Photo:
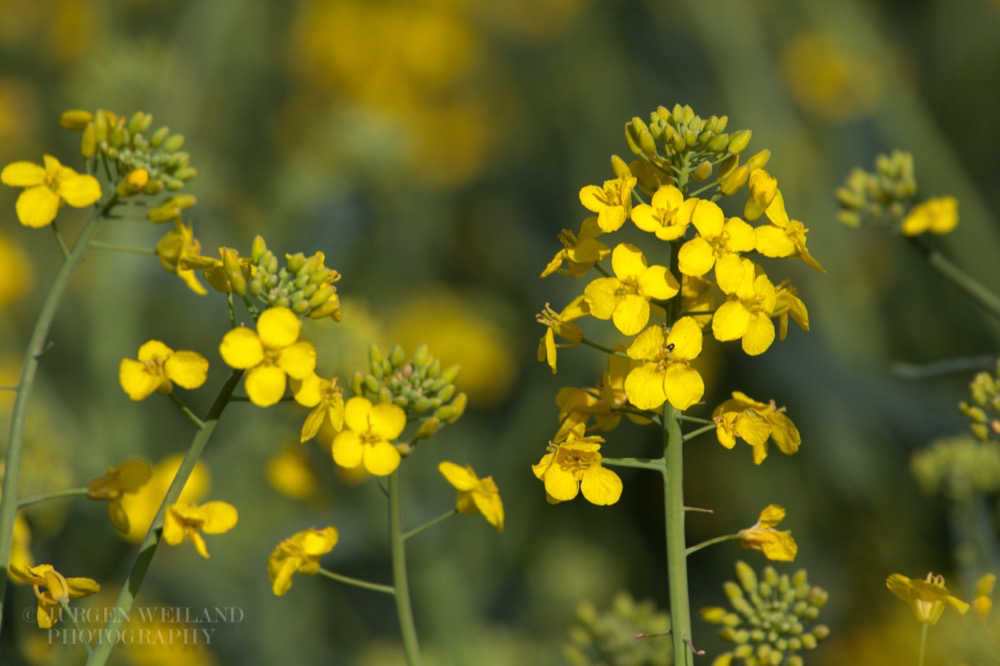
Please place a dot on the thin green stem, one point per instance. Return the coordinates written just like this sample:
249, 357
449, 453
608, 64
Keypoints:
59, 239
946, 367
699, 431
703, 188
114, 247
712, 542
36, 347
602, 270
600, 347
187, 411
38, 499
357, 582
977, 292
923, 643
673, 482
149, 544
694, 419
71, 618
429, 524
408, 628
656, 464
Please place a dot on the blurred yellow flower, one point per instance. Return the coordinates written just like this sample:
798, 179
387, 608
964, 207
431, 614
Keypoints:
47, 188
20, 550
187, 521
776, 545
158, 368
830, 81
982, 604
938, 216
300, 554
368, 438
16, 272
290, 473
474, 494
142, 506
927, 597
57, 590
127, 478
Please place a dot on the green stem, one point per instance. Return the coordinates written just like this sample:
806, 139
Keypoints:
946, 367
36, 346
699, 431
977, 292
712, 542
656, 464
187, 411
357, 582
600, 347
694, 419
38, 499
113, 247
149, 544
406, 625
673, 483
429, 524
59, 239
71, 618
923, 643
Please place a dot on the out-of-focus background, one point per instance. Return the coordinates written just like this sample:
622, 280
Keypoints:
433, 149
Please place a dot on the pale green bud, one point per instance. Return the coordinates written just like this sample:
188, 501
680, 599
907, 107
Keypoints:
427, 428
174, 143
703, 172
397, 356
257, 248
159, 136
719, 143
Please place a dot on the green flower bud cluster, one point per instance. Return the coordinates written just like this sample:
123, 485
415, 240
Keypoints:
625, 634
417, 384
985, 413
124, 145
960, 468
772, 612
883, 197
691, 144
303, 284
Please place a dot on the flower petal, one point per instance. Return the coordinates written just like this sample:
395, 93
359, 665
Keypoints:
241, 348
187, 369
644, 387
298, 360
387, 420
278, 327
348, 451
79, 190
682, 385
462, 478
265, 385
137, 383
219, 517
381, 458
601, 486
22, 174
37, 206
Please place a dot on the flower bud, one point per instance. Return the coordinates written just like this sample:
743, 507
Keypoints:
703, 172
75, 119
619, 167
738, 141
759, 160
88, 142
174, 143
735, 180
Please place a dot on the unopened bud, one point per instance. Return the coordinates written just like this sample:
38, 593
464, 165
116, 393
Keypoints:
75, 119
739, 141
619, 167
703, 172
759, 160
735, 180
174, 143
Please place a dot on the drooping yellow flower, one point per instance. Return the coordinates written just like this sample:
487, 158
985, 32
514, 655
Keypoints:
665, 373
788, 304
271, 355
177, 250
52, 589
475, 495
300, 554
625, 297
580, 252
667, 215
159, 367
227, 274
561, 324
127, 478
327, 401
746, 314
47, 188
784, 237
574, 464
187, 521
776, 545
938, 216
612, 203
926, 597
142, 506
718, 243
755, 422
368, 439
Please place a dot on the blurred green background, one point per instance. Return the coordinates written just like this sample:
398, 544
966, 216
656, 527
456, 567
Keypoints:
433, 149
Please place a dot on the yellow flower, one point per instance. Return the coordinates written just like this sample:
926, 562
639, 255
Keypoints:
177, 250
746, 314
783, 237
327, 401
775, 544
127, 478
665, 373
763, 188
57, 590
667, 215
625, 297
755, 422
142, 506
718, 243
926, 597
290, 474
938, 216
982, 604
158, 368
574, 464
561, 324
474, 494
16, 272
367, 441
269, 354
788, 304
612, 203
46, 188
580, 252
227, 274
20, 550
299, 553
187, 521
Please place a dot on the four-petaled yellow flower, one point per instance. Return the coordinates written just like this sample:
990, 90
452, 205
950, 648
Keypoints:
574, 464
776, 545
159, 367
561, 324
746, 314
938, 216
612, 203
269, 354
368, 439
783, 237
57, 590
625, 297
665, 374
718, 243
127, 478
474, 494
926, 597
580, 252
668, 214
755, 422
177, 250
327, 401
188, 521
46, 188
300, 554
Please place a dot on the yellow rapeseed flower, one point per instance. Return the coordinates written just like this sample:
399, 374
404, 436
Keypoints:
665, 373
142, 505
561, 324
300, 554
926, 597
187, 521
580, 251
763, 188
574, 464
612, 203
474, 494
270, 355
52, 590
177, 250
938, 216
158, 368
127, 478
776, 545
327, 401
667, 215
368, 439
718, 243
20, 549
746, 314
788, 304
784, 237
755, 422
625, 297
47, 188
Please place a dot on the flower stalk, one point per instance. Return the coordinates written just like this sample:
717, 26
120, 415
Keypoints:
673, 486
411, 647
